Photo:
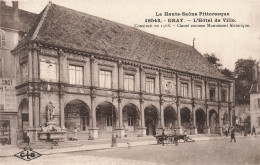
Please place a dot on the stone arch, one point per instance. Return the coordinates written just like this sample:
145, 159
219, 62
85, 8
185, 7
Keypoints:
201, 120
106, 116
23, 118
186, 118
170, 117
109, 101
151, 115
213, 117
77, 115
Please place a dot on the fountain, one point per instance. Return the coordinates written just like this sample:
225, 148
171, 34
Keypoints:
51, 132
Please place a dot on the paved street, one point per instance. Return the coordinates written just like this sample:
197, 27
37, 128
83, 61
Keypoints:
244, 151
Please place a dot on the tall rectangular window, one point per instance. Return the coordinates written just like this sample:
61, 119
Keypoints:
212, 94
2, 38
258, 121
76, 74
223, 95
130, 121
184, 89
1, 67
105, 79
2, 98
258, 100
109, 121
129, 82
198, 92
149, 85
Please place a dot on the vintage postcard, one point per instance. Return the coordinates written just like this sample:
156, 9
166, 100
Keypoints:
129, 82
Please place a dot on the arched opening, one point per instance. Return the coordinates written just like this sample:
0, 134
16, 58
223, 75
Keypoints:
170, 117
130, 117
106, 118
77, 116
185, 118
151, 120
213, 116
23, 119
200, 121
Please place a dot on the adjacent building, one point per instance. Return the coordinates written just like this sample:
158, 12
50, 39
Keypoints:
255, 100
98, 76
14, 23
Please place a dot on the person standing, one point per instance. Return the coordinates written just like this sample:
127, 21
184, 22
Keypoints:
233, 134
163, 137
75, 134
253, 131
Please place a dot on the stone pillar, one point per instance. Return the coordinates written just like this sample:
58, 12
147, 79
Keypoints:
120, 76
142, 129
93, 131
30, 110
207, 125
194, 120
36, 110
120, 131
30, 62
35, 63
142, 80
62, 109
94, 77
162, 125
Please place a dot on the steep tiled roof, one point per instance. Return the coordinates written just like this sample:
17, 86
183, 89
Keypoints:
71, 29
22, 23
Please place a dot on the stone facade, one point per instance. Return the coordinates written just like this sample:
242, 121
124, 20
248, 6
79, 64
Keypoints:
135, 113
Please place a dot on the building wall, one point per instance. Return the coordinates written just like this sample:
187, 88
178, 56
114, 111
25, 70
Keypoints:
48, 76
8, 107
255, 111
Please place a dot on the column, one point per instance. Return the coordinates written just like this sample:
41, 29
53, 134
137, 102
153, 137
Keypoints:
94, 77
30, 111
62, 109
193, 130
30, 69
206, 108
36, 110
162, 114
120, 76
142, 129
142, 80
195, 122
207, 113
120, 131
35, 60
93, 131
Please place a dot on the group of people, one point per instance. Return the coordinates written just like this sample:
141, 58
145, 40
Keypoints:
233, 133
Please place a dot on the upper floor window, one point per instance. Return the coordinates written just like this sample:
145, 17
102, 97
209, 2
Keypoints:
258, 100
48, 70
1, 98
1, 68
2, 38
75, 74
212, 94
129, 82
105, 79
198, 92
223, 95
184, 89
149, 85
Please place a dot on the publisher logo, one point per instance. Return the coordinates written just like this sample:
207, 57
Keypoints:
28, 154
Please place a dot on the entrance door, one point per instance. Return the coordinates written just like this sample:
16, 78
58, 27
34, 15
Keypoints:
150, 127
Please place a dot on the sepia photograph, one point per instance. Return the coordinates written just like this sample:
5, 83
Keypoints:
122, 82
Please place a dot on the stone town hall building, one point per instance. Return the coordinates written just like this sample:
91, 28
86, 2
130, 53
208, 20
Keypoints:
101, 76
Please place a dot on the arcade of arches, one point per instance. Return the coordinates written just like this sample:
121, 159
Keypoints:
77, 114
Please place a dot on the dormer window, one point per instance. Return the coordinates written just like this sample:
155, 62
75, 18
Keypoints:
2, 38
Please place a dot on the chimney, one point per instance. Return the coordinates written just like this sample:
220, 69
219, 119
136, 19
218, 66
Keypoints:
2, 3
15, 10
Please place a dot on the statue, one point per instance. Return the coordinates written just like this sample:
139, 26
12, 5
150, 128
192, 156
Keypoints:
50, 111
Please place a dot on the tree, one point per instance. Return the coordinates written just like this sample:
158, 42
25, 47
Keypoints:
212, 59
244, 70
228, 73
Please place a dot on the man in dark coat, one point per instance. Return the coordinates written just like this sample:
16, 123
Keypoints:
163, 137
253, 131
233, 134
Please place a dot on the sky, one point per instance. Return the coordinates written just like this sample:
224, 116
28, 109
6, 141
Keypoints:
227, 43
